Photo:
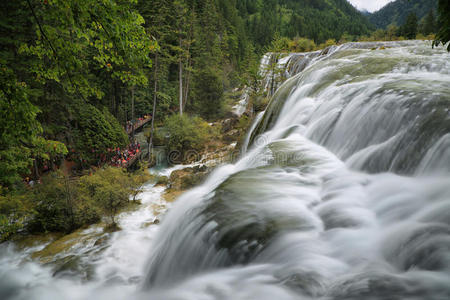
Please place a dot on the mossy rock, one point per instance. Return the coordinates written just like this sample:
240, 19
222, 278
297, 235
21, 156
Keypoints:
62, 245
171, 195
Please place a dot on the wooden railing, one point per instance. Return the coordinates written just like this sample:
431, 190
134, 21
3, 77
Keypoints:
138, 125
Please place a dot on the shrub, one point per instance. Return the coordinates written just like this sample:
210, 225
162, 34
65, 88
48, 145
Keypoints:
60, 206
136, 182
109, 190
302, 45
63, 204
188, 133
14, 211
96, 129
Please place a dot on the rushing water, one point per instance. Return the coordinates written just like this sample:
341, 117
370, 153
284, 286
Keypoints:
93, 263
344, 193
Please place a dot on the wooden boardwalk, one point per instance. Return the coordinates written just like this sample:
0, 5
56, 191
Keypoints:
138, 125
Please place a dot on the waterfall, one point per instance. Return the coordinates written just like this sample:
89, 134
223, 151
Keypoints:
343, 192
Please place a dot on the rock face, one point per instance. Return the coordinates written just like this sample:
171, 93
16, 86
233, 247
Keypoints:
188, 177
228, 124
231, 136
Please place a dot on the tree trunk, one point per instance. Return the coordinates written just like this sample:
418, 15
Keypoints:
150, 144
189, 65
69, 201
186, 90
36, 170
181, 86
180, 73
186, 85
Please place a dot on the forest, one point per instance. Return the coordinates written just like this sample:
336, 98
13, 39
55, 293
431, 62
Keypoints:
75, 74
397, 12
224, 149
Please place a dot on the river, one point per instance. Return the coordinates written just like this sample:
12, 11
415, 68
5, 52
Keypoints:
343, 193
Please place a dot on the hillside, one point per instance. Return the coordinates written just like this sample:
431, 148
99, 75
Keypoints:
318, 20
75, 83
396, 12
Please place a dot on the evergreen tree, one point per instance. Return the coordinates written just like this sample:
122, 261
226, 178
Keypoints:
443, 35
58, 58
429, 25
409, 29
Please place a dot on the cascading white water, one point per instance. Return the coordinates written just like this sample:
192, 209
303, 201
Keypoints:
94, 264
342, 194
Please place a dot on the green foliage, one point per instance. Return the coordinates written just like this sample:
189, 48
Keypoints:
443, 35
215, 42
188, 133
409, 29
428, 24
318, 20
136, 181
398, 11
299, 44
59, 54
64, 204
74, 37
46, 149
19, 139
59, 206
96, 130
107, 188
14, 212
208, 93
18, 127
302, 45
163, 180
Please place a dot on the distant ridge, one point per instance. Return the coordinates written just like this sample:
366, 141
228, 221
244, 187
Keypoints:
396, 12
318, 20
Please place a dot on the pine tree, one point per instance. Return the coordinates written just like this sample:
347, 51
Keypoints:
409, 29
443, 35
429, 25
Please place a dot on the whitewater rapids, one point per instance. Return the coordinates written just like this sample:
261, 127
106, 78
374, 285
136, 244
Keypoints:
343, 193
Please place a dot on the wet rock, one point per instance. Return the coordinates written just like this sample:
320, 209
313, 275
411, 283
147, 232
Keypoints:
200, 168
162, 180
171, 195
231, 136
112, 228
187, 178
101, 241
228, 124
70, 267
150, 223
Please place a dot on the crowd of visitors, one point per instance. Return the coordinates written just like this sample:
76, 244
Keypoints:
121, 157
116, 157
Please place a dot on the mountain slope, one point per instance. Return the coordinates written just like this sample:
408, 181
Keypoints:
315, 19
396, 12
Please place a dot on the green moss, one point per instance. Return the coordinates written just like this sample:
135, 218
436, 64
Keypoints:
63, 245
